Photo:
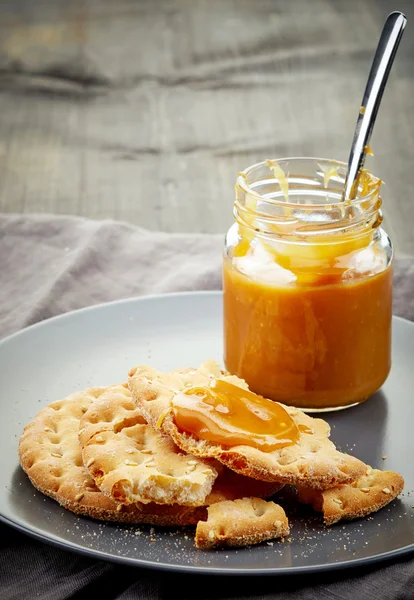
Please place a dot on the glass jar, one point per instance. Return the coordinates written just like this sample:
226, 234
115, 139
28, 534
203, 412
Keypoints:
307, 282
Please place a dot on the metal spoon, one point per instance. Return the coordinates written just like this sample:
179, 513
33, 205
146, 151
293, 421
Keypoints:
380, 69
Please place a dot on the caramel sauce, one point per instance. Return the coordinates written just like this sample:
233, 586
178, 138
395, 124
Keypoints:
328, 171
305, 429
368, 182
309, 324
281, 177
320, 342
230, 415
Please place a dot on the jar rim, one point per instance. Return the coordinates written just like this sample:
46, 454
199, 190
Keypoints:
274, 198
243, 184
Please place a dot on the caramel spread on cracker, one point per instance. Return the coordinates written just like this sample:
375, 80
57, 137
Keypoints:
232, 416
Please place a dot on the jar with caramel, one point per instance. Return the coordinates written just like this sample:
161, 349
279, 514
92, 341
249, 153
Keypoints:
307, 282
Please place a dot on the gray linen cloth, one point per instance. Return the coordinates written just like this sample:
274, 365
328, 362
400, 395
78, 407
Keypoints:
49, 265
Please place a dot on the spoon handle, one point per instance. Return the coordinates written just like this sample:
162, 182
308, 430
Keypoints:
381, 66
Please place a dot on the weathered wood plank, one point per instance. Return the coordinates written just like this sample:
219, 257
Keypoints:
145, 111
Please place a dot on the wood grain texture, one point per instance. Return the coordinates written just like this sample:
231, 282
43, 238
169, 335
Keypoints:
146, 110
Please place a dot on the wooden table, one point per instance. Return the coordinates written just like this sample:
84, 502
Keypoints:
146, 110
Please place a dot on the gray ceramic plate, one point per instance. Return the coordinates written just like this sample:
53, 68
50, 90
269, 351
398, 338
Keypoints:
97, 346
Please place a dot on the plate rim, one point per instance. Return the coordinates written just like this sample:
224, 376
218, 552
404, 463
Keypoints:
130, 299
355, 563
163, 566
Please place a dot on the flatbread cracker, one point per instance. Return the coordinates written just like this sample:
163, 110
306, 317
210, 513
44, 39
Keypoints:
50, 454
367, 495
132, 462
241, 523
312, 461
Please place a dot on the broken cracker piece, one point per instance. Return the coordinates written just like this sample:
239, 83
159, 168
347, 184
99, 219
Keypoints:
368, 494
63, 477
241, 522
133, 462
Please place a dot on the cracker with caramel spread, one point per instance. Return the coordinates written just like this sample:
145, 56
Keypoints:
81, 450
50, 454
368, 494
312, 460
